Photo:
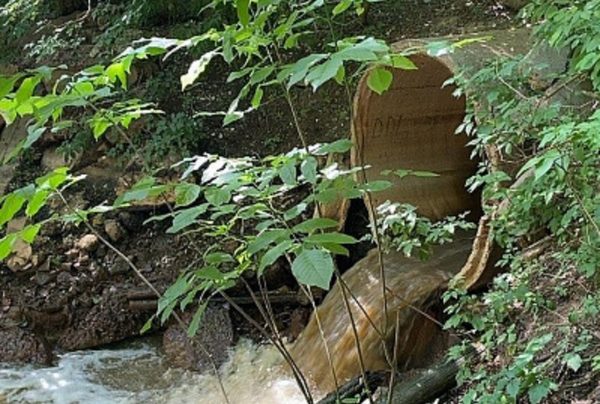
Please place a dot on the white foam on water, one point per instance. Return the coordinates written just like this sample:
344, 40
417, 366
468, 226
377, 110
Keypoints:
138, 373
253, 374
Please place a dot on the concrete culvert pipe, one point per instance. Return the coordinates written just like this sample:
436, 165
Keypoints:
412, 127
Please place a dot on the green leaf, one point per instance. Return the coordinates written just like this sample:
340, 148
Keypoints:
336, 249
12, 204
195, 323
273, 254
117, 71
266, 238
403, 62
218, 258
257, 98
210, 273
37, 202
196, 69
7, 84
308, 168
547, 162
186, 217
243, 11
336, 238
538, 392
339, 146
29, 233
26, 89
260, 75
217, 196
147, 325
313, 268
173, 293
324, 72
295, 211
340, 75
342, 6
317, 223
376, 186
287, 173
573, 361
6, 245
186, 193
379, 80
299, 69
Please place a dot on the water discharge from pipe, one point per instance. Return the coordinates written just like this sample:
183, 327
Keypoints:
411, 283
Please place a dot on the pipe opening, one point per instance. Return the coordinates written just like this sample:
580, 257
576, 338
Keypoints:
412, 127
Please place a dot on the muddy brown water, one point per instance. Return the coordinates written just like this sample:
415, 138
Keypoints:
411, 283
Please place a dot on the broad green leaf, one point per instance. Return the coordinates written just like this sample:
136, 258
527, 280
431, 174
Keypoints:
340, 75
37, 202
273, 254
29, 233
186, 193
379, 80
287, 173
26, 89
376, 186
574, 361
266, 238
217, 196
7, 84
295, 211
186, 217
547, 162
308, 168
6, 245
317, 223
12, 204
313, 268
210, 273
403, 62
299, 69
117, 71
336, 238
261, 74
538, 392
337, 249
231, 117
324, 72
173, 293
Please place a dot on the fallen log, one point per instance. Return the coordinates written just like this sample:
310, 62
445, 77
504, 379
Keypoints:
142, 301
426, 385
355, 388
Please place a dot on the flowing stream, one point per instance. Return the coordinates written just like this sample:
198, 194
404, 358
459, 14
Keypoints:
137, 373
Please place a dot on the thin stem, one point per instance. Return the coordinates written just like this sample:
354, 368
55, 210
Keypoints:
356, 339
139, 274
300, 380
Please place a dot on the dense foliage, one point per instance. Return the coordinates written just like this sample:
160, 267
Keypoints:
545, 126
255, 211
